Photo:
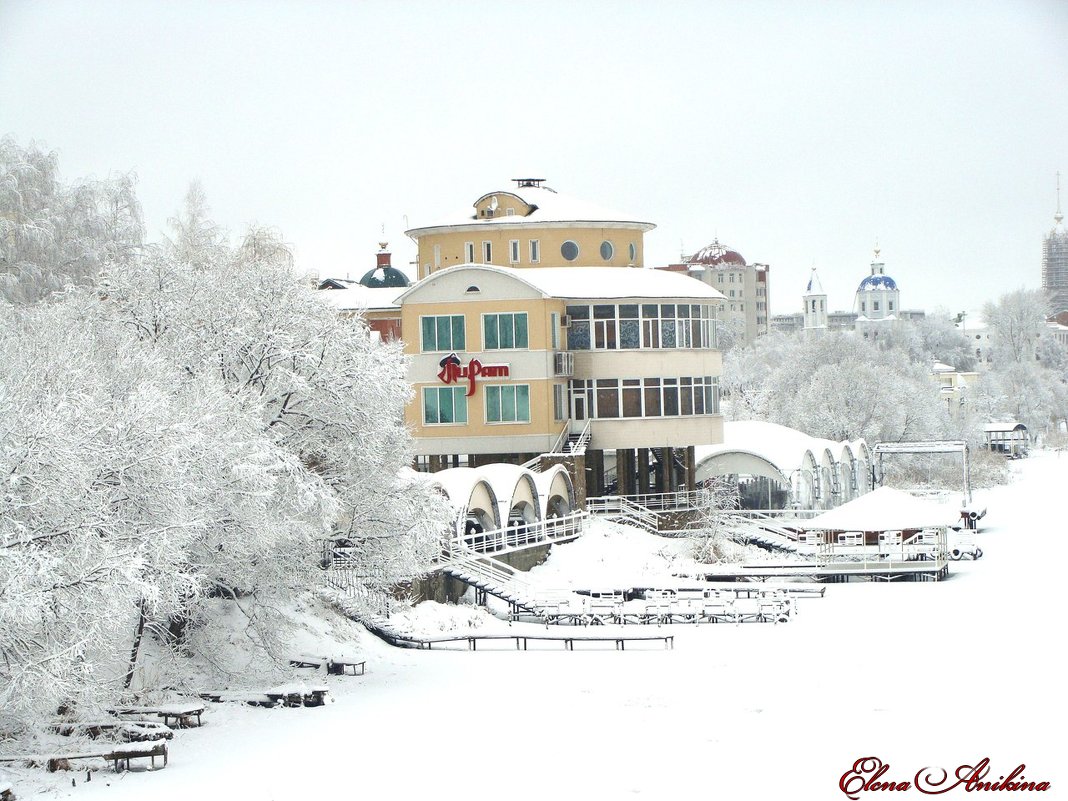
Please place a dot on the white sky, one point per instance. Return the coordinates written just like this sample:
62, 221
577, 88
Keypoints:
798, 133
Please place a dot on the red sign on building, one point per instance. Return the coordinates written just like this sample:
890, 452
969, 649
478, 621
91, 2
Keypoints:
452, 370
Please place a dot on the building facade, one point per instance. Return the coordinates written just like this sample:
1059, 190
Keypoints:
532, 225
746, 289
534, 322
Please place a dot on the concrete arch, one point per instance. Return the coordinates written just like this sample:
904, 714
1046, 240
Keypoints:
556, 492
472, 495
847, 475
738, 462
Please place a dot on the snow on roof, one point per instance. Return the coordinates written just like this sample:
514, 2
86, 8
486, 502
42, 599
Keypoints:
363, 298
783, 447
544, 480
884, 509
552, 207
1000, 427
576, 283
942, 367
814, 286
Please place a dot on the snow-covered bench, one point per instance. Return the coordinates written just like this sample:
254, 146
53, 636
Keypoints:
131, 731
335, 666
120, 756
176, 716
296, 694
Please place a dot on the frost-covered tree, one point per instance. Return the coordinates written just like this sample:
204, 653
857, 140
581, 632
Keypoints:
53, 234
323, 389
1017, 323
129, 488
835, 385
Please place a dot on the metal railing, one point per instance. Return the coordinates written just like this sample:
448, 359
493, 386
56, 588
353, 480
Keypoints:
619, 507
524, 535
578, 445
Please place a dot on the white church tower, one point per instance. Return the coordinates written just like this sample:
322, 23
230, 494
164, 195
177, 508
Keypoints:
815, 302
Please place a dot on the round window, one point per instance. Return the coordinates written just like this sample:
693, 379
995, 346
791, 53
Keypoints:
607, 251
569, 250
633, 250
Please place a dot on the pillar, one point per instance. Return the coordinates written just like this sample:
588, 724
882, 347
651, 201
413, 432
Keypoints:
643, 471
691, 469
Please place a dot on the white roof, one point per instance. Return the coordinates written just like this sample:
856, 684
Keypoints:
552, 207
782, 446
884, 509
1002, 426
596, 282
362, 297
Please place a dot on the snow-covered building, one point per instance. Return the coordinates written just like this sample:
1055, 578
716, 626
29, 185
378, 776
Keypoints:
534, 321
779, 467
876, 304
953, 386
1055, 260
745, 285
374, 295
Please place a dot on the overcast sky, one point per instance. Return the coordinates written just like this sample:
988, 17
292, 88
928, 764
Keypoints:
798, 133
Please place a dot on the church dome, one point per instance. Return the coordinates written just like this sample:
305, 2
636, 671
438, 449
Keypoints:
384, 277
878, 281
717, 255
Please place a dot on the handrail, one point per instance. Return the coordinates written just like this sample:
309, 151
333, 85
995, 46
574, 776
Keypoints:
579, 445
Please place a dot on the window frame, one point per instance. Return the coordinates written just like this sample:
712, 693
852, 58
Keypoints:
437, 390
500, 390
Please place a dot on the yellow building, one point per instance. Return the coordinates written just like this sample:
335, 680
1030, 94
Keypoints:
532, 225
568, 337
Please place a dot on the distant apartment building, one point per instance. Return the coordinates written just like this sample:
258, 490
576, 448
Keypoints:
745, 286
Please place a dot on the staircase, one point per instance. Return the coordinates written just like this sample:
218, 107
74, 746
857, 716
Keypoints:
624, 510
761, 532
501, 580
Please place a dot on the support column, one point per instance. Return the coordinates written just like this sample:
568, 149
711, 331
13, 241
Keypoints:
594, 473
691, 469
624, 471
435, 463
643, 471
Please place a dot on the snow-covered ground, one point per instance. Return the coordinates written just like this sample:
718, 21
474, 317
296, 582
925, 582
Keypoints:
916, 674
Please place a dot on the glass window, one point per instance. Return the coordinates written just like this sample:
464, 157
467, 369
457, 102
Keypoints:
443, 333
607, 397
504, 331
569, 250
508, 404
607, 250
535, 251
633, 251
632, 397
487, 252
469, 252
444, 405
513, 251
652, 397
671, 397
578, 335
559, 408
554, 324
578, 312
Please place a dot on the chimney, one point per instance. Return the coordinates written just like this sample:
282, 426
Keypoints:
383, 255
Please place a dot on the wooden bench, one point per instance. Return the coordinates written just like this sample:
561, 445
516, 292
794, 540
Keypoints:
333, 666
131, 731
176, 716
284, 695
120, 756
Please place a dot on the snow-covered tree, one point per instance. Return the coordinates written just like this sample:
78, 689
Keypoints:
53, 234
837, 386
127, 487
323, 389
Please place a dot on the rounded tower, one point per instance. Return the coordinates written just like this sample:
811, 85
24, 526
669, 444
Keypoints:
878, 297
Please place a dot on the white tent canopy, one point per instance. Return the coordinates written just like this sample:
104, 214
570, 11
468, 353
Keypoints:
884, 509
